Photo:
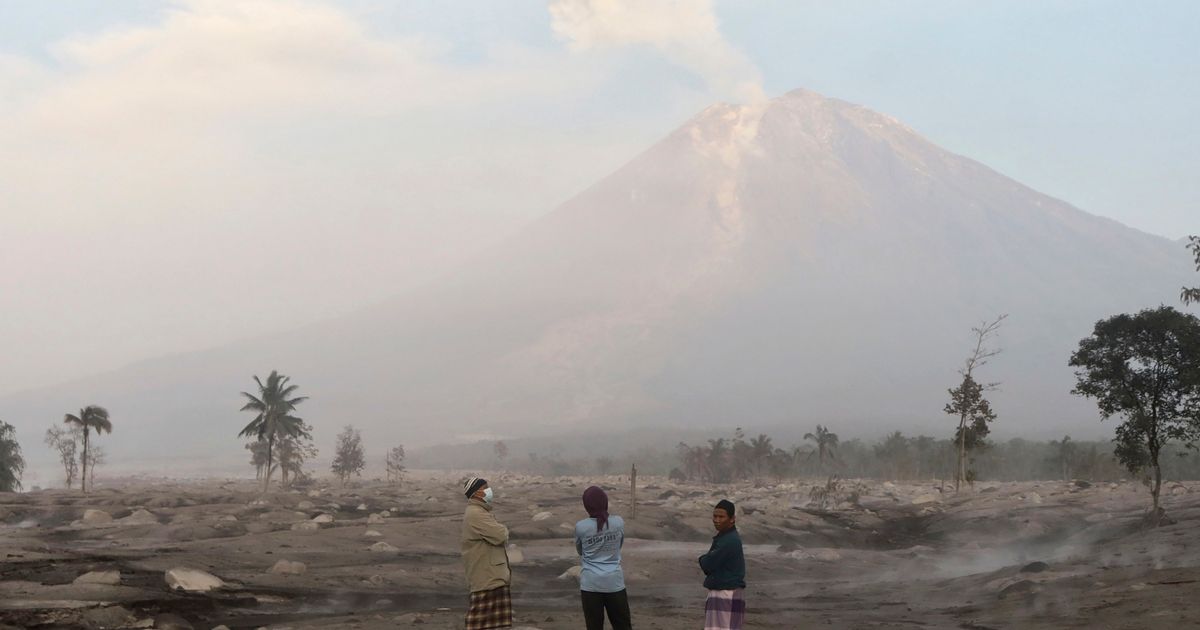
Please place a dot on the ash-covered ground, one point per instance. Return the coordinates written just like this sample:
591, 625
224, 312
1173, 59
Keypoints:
877, 555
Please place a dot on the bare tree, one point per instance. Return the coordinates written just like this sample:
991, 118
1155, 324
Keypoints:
967, 400
349, 459
95, 457
66, 443
395, 464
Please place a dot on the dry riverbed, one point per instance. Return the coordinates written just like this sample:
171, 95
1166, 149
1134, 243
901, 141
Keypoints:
896, 555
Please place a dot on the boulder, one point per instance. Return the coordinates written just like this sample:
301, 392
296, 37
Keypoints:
370, 533
1021, 587
541, 516
171, 621
305, 505
375, 519
95, 517
183, 578
572, 573
926, 498
287, 567
515, 556
1034, 498
323, 518
139, 517
382, 547
306, 526
362, 507
107, 578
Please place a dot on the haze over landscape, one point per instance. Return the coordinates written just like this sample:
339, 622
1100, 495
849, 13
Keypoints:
347, 313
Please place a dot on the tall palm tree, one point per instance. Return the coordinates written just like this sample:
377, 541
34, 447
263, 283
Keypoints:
274, 419
826, 441
90, 417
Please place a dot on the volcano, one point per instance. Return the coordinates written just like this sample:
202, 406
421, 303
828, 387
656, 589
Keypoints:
803, 260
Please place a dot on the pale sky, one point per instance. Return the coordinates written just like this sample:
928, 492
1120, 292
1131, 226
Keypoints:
175, 176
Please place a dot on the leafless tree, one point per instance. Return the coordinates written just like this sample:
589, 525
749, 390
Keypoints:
66, 443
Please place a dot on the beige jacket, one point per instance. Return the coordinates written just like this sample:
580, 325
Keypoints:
483, 551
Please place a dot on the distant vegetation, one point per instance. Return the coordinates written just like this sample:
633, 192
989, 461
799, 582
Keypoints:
1191, 295
274, 422
90, 418
11, 462
349, 459
395, 464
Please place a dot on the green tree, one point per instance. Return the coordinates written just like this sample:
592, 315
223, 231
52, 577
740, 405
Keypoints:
11, 462
1064, 456
274, 420
826, 442
1193, 294
967, 401
1144, 368
92, 417
348, 458
893, 452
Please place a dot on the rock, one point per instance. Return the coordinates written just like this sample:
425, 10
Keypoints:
170, 621
1021, 587
541, 516
192, 580
382, 547
1079, 483
375, 519
1033, 497
139, 517
572, 573
108, 616
362, 507
144, 623
410, 619
229, 518
925, 498
95, 517
108, 578
370, 533
323, 518
287, 567
515, 556
1035, 567
305, 505
306, 526
1178, 490
826, 555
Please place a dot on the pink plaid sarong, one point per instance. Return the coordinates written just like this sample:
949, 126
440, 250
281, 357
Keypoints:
725, 610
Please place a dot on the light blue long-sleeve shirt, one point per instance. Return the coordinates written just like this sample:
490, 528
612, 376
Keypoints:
601, 555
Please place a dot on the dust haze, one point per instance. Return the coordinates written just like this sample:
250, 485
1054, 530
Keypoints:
279, 276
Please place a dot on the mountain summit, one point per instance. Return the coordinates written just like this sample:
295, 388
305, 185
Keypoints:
804, 260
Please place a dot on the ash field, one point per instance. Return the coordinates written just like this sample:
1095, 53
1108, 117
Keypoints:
374, 555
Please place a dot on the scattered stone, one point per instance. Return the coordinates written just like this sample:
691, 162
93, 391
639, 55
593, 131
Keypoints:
515, 556
925, 498
572, 573
1079, 483
362, 507
1022, 587
382, 547
287, 567
139, 517
323, 518
541, 516
1035, 567
192, 580
108, 616
107, 578
375, 519
145, 623
305, 505
95, 517
370, 533
1034, 497
306, 526
409, 620
229, 518
171, 621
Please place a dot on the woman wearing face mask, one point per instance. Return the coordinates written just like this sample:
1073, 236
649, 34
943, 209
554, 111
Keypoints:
486, 560
598, 540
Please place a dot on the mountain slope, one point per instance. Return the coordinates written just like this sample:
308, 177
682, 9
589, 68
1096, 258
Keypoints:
806, 260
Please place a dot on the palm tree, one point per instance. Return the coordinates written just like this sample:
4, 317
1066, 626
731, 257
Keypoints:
826, 442
274, 419
90, 417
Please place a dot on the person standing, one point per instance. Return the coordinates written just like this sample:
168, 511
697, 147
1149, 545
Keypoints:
724, 569
598, 540
486, 560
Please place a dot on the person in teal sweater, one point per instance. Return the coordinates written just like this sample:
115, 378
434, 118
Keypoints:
724, 569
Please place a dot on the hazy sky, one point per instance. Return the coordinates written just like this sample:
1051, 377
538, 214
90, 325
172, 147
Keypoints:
178, 175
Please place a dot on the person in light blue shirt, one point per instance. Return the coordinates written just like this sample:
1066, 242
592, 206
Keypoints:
598, 540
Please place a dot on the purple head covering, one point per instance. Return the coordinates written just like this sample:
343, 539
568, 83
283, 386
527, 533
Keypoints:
596, 504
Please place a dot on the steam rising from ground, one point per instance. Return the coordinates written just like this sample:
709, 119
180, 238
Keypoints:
685, 31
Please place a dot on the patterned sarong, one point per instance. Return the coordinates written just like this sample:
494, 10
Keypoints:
724, 610
490, 609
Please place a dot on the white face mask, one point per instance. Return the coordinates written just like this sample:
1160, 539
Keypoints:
487, 495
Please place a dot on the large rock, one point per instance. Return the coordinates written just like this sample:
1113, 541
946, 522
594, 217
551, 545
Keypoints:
323, 518
139, 517
95, 517
375, 519
171, 621
287, 567
370, 533
382, 547
572, 573
541, 516
515, 556
926, 498
306, 526
107, 578
183, 578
